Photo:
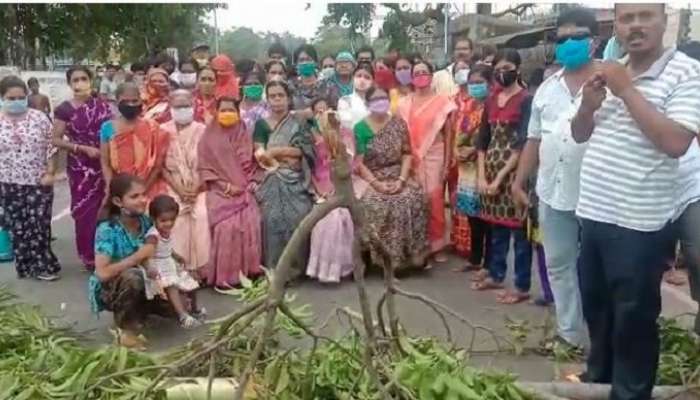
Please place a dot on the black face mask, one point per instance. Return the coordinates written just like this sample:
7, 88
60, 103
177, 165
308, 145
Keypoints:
128, 111
507, 78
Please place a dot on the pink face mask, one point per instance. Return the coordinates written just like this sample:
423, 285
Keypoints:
422, 81
362, 84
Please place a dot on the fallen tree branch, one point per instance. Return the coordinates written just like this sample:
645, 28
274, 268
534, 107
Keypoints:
475, 327
380, 314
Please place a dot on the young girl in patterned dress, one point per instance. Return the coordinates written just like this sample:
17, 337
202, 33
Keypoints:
172, 280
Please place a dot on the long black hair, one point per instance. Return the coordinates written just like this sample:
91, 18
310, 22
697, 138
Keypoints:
119, 186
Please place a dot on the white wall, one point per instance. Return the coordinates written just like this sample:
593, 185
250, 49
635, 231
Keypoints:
51, 83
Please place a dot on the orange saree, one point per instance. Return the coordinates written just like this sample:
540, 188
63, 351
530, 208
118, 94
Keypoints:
425, 123
139, 151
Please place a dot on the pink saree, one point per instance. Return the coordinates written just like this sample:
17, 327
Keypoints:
225, 157
191, 231
425, 123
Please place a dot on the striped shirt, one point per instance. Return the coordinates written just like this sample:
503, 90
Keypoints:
689, 182
625, 179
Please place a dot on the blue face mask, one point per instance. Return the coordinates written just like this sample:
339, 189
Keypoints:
574, 53
15, 106
478, 91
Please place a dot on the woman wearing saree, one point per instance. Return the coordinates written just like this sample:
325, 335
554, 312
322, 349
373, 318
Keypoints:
426, 115
284, 147
80, 119
226, 79
205, 96
156, 103
228, 169
132, 145
394, 205
330, 258
191, 239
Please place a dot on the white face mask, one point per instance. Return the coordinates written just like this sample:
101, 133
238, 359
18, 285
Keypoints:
461, 77
188, 80
183, 116
327, 72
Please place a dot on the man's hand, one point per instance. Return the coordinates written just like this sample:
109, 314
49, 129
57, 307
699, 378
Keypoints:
616, 77
593, 93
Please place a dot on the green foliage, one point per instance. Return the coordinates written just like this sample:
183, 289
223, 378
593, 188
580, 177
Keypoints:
244, 43
396, 32
679, 361
82, 30
330, 39
356, 17
39, 360
429, 371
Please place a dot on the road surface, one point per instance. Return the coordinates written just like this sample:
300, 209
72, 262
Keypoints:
66, 299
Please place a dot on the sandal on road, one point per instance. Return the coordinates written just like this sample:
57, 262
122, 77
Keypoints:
513, 297
467, 268
188, 322
486, 284
480, 275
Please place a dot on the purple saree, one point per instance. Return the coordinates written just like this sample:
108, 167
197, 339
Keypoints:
87, 186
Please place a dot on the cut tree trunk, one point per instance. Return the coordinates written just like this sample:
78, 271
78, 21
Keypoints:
594, 391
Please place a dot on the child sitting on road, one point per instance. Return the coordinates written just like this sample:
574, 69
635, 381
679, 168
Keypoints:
171, 281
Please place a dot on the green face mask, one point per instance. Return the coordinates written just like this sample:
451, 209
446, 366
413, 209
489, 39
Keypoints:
253, 92
306, 69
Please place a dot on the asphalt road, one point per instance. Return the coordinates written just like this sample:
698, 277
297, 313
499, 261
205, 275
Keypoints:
67, 300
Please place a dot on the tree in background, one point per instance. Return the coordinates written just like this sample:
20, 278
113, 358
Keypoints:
332, 38
357, 18
29, 33
240, 43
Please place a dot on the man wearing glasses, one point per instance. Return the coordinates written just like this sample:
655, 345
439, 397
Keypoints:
551, 149
638, 117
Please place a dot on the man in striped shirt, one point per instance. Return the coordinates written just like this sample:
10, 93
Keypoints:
638, 116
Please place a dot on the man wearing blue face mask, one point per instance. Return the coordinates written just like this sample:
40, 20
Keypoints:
557, 157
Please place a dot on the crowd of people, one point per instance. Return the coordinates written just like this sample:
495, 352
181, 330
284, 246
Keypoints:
197, 174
